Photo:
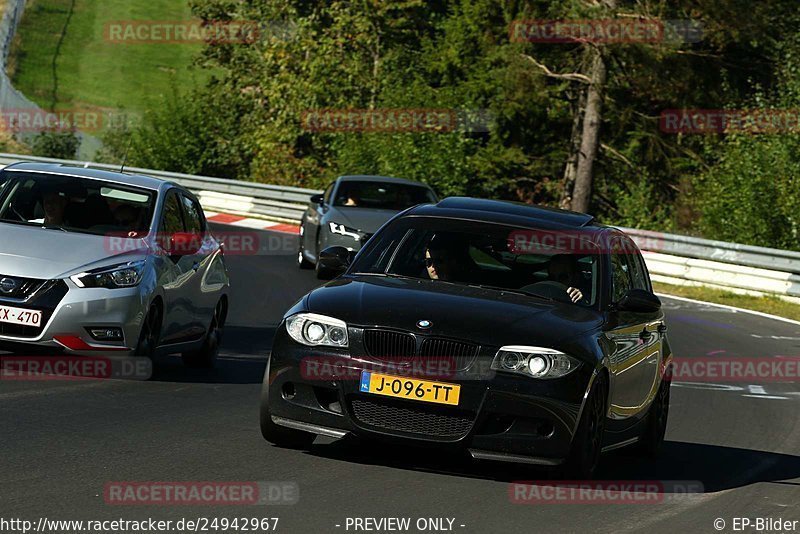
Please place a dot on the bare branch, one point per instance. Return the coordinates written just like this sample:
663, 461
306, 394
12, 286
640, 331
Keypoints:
573, 76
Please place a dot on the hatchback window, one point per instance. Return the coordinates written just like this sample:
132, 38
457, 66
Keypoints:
74, 204
621, 280
193, 219
172, 221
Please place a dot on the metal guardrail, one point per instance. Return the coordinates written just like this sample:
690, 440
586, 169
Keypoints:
674, 258
719, 251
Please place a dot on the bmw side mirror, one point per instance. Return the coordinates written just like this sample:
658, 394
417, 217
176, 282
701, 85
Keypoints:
333, 261
316, 199
639, 301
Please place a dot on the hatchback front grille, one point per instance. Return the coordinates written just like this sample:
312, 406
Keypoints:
388, 345
428, 420
16, 288
46, 299
462, 354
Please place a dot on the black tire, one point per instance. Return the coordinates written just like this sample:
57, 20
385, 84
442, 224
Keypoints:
150, 334
302, 262
206, 356
587, 445
656, 424
279, 435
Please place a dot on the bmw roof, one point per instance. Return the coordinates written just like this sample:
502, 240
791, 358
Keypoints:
137, 180
505, 212
386, 179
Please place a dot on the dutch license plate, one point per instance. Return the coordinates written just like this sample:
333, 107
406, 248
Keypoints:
20, 316
410, 388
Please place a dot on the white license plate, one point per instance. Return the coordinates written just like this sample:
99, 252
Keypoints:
20, 316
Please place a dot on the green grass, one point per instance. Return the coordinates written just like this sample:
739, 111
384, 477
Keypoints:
92, 72
772, 305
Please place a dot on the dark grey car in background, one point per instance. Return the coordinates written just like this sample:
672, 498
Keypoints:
351, 209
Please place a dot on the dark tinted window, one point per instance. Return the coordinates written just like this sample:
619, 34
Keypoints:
326, 196
172, 220
381, 195
621, 280
479, 254
193, 219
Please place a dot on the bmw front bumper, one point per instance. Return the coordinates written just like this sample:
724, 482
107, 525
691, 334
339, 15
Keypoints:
499, 416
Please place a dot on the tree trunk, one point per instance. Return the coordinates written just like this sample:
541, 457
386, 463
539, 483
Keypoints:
590, 136
570, 170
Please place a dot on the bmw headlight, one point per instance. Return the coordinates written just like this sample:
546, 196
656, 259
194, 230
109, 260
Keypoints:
536, 362
117, 276
313, 329
341, 229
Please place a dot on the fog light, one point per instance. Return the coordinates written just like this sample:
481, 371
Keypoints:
105, 334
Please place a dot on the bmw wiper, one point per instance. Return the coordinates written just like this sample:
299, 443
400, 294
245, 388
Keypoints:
512, 290
23, 223
55, 227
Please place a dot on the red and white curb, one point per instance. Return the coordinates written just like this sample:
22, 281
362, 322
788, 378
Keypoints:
249, 222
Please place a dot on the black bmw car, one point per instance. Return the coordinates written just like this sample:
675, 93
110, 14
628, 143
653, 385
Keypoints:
508, 331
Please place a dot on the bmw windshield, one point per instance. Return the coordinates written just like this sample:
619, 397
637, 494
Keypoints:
72, 204
539, 263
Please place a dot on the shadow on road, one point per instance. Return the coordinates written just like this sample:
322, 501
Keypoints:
716, 467
242, 360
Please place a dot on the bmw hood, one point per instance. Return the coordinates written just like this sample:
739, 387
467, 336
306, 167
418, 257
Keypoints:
481, 315
29, 252
363, 219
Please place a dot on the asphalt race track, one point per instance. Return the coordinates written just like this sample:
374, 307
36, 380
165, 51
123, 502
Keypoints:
62, 441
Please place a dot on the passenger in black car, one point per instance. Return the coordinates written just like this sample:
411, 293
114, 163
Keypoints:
447, 259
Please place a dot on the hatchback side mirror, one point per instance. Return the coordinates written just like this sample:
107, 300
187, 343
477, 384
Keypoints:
333, 261
639, 301
184, 244
316, 199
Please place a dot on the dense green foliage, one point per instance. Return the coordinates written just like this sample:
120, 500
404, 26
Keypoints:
247, 123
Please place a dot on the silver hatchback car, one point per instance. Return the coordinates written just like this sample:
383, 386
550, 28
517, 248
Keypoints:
105, 263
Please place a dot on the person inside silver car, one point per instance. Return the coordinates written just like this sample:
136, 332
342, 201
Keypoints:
54, 203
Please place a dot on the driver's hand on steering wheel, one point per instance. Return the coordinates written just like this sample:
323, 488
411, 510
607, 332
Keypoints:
575, 294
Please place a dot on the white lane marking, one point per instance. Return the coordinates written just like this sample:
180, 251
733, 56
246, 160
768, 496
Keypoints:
782, 338
768, 397
757, 390
732, 308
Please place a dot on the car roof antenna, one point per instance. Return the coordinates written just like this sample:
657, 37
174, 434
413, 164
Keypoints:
125, 157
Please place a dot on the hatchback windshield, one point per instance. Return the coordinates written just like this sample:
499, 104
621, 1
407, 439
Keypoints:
381, 195
74, 204
492, 256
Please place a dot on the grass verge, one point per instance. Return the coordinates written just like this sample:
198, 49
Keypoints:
771, 305
90, 71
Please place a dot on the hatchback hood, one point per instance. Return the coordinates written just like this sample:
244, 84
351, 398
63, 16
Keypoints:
30, 252
485, 316
364, 219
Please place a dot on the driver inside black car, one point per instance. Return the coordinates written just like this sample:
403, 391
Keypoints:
563, 268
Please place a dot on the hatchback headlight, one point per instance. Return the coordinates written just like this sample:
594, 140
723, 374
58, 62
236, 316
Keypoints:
313, 329
118, 276
536, 362
345, 231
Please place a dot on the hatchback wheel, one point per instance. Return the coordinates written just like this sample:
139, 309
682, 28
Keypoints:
206, 356
656, 426
150, 334
587, 444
